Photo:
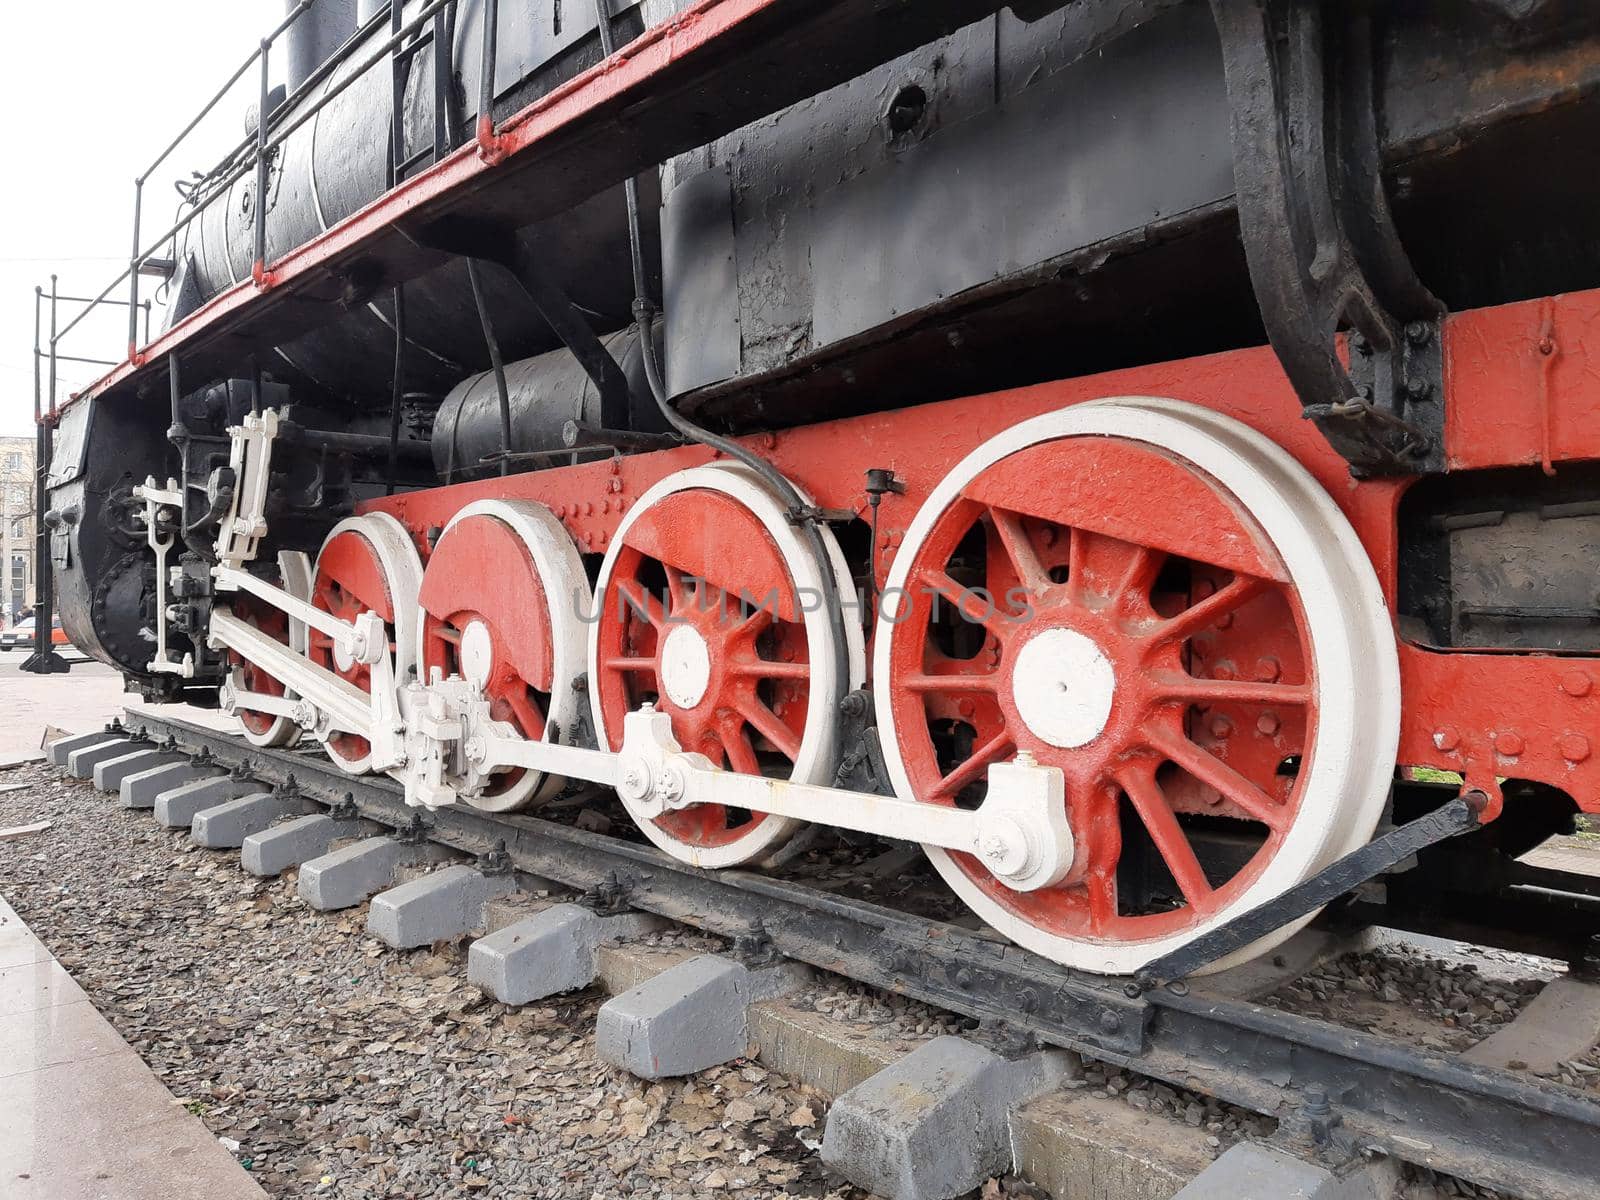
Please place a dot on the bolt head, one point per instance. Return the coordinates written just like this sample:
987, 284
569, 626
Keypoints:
1267, 724
1446, 738
1508, 743
1574, 747
1576, 683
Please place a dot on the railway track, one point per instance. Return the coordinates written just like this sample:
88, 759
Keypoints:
1335, 1091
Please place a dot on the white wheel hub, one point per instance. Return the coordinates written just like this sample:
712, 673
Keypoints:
1063, 685
685, 666
477, 654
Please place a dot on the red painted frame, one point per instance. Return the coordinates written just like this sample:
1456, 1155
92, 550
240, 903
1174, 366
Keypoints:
1522, 387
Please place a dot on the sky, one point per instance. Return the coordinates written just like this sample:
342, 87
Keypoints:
96, 89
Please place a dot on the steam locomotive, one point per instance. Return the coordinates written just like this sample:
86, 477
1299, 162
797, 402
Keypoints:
1142, 450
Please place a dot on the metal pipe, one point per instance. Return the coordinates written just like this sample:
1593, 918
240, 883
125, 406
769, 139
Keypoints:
178, 431
93, 362
98, 300
38, 352
399, 387
133, 271
367, 445
295, 95
338, 89
397, 97
576, 435
260, 272
496, 363
54, 337
278, 138
44, 659
443, 74
287, 21
491, 37
66, 299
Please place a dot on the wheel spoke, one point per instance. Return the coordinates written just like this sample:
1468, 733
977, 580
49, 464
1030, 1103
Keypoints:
956, 681
757, 623
1180, 686
1077, 562
966, 601
1144, 564
1206, 613
1213, 772
678, 591
769, 726
970, 770
1020, 549
766, 668
631, 664
635, 600
741, 754
528, 715
1162, 824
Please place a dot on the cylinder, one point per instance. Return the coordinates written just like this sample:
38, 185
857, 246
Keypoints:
545, 392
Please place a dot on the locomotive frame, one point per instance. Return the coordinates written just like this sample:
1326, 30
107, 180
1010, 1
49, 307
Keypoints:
1410, 394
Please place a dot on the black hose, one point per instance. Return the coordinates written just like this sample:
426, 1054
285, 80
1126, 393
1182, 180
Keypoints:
644, 315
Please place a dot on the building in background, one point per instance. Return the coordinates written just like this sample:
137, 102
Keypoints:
16, 527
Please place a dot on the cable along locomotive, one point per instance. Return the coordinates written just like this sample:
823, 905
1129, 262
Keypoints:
1113, 443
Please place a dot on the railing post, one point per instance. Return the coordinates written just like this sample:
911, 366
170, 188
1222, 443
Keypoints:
260, 271
397, 97
491, 39
443, 54
133, 272
38, 354
52, 392
44, 660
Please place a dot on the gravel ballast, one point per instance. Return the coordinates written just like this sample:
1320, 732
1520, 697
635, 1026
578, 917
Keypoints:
333, 1065
330, 1064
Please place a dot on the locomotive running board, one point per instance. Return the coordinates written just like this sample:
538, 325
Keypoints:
1489, 1127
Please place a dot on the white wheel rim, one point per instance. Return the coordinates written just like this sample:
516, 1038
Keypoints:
283, 732
402, 573
560, 573
814, 763
1349, 628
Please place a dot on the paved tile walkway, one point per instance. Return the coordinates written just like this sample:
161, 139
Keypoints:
81, 1116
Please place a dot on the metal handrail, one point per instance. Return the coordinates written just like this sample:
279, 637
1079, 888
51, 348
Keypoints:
271, 132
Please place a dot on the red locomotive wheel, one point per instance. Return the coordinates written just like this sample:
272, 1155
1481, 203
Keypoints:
1088, 589
367, 564
700, 613
261, 728
502, 601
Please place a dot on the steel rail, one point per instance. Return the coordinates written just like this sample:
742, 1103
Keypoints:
1357, 1090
